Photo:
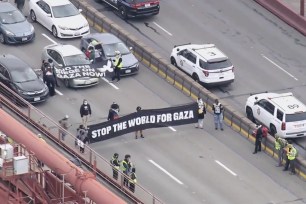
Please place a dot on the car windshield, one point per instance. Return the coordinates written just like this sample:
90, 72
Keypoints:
296, 117
110, 49
76, 60
218, 65
23, 75
11, 17
65, 11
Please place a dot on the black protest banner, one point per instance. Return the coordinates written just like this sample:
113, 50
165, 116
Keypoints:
78, 71
144, 119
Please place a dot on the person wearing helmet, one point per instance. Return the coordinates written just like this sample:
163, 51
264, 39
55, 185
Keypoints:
116, 165
279, 145
118, 65
138, 109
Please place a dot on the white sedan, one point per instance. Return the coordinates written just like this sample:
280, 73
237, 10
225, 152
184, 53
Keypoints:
61, 17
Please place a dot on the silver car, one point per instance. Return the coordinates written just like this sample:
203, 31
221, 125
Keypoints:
68, 55
14, 27
105, 45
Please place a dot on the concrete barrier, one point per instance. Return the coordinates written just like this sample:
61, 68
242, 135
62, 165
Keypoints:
286, 14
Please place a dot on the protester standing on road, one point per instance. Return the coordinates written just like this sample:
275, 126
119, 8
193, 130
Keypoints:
85, 111
118, 65
43, 68
64, 124
218, 114
116, 165
125, 167
258, 138
201, 113
50, 81
133, 180
138, 109
291, 158
279, 145
113, 112
50, 61
20, 4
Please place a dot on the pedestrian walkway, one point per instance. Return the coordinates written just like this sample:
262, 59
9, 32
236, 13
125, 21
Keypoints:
294, 5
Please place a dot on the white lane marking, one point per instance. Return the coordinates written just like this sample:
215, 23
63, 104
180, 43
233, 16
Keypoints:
163, 29
58, 92
104, 79
54, 42
165, 171
227, 169
279, 67
171, 128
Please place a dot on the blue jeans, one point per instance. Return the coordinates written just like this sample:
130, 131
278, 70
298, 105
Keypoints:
218, 119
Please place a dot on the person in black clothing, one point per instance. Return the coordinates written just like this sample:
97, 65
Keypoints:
43, 68
50, 81
85, 112
133, 180
138, 109
113, 112
258, 139
116, 165
50, 61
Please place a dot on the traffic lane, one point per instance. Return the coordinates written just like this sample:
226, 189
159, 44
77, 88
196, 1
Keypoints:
190, 156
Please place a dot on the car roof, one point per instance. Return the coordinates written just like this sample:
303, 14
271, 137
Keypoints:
57, 2
12, 62
106, 38
6, 6
286, 102
65, 50
209, 52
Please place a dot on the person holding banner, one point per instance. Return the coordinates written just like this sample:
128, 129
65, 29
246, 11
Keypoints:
113, 112
138, 109
201, 113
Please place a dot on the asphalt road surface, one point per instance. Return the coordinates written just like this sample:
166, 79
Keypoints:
184, 164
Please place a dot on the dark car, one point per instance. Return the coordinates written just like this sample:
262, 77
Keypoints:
14, 27
134, 8
21, 78
106, 44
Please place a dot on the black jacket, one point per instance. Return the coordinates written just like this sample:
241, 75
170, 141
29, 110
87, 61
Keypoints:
112, 115
85, 110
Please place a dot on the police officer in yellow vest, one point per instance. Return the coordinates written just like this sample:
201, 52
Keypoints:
291, 158
279, 145
133, 180
125, 168
118, 65
116, 165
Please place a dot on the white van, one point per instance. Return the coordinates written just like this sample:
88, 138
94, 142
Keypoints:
283, 114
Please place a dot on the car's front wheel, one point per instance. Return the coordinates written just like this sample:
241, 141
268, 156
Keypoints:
2, 38
54, 31
123, 13
173, 61
33, 16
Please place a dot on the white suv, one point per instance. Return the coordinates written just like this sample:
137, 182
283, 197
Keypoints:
205, 63
283, 114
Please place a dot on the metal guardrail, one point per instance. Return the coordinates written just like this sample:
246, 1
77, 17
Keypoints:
178, 79
31, 117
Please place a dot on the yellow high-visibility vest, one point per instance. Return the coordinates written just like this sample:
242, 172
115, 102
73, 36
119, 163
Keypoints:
119, 65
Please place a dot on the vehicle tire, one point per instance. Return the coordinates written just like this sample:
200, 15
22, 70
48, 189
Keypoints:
273, 130
2, 38
195, 77
54, 31
67, 83
123, 13
173, 62
33, 16
249, 114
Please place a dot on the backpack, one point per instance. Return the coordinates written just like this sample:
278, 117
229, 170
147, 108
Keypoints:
264, 131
